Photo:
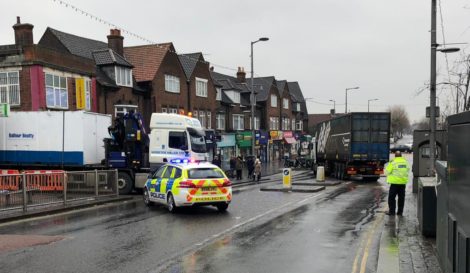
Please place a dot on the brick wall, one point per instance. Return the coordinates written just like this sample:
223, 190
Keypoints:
197, 103
272, 111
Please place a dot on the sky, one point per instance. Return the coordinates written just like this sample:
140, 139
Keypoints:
382, 47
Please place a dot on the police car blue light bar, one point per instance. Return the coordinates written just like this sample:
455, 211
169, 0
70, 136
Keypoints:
181, 160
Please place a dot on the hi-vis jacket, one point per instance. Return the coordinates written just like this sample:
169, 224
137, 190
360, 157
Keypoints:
397, 171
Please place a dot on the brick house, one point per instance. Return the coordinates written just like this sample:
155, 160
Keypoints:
285, 105
299, 107
115, 84
200, 88
158, 70
34, 77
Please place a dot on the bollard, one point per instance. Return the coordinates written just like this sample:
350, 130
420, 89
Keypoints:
320, 174
286, 179
96, 182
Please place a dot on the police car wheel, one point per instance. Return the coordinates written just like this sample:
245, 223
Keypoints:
171, 203
222, 207
147, 198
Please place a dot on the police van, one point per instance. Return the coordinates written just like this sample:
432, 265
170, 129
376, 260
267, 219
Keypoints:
181, 183
175, 136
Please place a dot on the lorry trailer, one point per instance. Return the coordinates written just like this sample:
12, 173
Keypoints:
354, 145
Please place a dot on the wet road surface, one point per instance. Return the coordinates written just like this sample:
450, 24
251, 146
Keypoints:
329, 231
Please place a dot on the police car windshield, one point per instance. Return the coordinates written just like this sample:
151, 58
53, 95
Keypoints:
203, 173
198, 140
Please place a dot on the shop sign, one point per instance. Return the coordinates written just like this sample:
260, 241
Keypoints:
244, 139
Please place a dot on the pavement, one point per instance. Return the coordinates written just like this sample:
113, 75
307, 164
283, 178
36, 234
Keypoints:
402, 247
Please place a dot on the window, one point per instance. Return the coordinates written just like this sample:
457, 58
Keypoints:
201, 87
177, 140
273, 101
205, 173
159, 172
178, 173
164, 110
173, 110
220, 121
256, 123
297, 105
238, 122
219, 94
293, 124
234, 96
285, 103
209, 121
172, 84
202, 118
299, 126
286, 124
274, 123
10, 88
56, 91
168, 172
123, 76
88, 95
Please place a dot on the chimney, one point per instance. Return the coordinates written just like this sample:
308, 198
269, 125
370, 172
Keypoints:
211, 69
332, 112
115, 41
23, 33
241, 75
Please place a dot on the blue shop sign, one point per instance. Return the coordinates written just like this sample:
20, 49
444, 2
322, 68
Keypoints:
262, 137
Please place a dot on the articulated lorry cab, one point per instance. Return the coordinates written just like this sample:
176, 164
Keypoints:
135, 153
176, 137
354, 145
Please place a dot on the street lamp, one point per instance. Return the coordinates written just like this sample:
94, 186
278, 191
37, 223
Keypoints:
432, 108
253, 97
334, 105
346, 105
368, 103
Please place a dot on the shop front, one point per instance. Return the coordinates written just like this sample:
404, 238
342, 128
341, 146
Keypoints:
226, 148
289, 144
261, 147
244, 143
275, 145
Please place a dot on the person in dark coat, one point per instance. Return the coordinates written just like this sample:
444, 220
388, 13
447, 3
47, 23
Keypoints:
250, 164
233, 163
239, 167
216, 161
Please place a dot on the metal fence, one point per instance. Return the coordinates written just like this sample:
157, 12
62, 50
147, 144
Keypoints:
43, 188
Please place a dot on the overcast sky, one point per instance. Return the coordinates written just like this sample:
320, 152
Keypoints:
381, 46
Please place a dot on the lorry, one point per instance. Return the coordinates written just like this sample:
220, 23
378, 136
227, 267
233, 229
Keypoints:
80, 140
353, 145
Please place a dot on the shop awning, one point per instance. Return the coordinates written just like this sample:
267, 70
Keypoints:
289, 140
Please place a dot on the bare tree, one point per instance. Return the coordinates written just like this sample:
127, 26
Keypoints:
399, 120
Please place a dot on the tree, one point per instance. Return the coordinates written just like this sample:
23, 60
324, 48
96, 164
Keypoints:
399, 120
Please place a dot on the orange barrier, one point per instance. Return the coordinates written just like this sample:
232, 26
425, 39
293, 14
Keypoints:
9, 180
45, 180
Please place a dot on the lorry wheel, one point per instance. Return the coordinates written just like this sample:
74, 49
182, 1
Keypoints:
124, 183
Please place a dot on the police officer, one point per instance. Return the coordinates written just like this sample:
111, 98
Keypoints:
397, 176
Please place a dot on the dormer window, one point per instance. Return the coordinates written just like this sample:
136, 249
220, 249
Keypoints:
297, 106
123, 76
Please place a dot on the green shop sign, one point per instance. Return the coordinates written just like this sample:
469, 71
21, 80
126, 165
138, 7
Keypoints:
244, 139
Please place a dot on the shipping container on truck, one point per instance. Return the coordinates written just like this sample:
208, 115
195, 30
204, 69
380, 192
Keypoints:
354, 145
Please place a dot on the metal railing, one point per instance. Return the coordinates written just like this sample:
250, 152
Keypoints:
44, 188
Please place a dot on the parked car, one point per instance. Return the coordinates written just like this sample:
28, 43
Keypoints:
401, 148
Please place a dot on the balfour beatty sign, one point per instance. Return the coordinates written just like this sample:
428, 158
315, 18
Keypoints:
20, 136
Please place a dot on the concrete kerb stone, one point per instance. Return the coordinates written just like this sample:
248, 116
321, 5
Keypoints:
58, 209
304, 189
326, 184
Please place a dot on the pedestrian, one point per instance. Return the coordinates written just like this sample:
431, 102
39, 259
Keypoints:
239, 167
250, 165
397, 176
216, 161
233, 163
257, 171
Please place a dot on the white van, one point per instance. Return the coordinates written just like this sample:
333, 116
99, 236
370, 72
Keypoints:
175, 136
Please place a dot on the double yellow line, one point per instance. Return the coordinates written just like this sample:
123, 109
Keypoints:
363, 250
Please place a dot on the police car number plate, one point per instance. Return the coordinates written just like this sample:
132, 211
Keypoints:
209, 188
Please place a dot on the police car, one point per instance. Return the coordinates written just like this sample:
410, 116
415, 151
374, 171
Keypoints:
181, 183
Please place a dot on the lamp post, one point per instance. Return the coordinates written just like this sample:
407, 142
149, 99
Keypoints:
432, 89
253, 97
346, 104
368, 104
334, 105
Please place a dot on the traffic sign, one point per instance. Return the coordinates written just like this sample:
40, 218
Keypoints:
286, 178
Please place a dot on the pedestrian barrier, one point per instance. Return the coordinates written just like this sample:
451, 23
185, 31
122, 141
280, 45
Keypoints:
46, 187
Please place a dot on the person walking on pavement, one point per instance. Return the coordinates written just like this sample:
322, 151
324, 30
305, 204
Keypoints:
257, 171
233, 164
250, 165
397, 176
239, 167
216, 161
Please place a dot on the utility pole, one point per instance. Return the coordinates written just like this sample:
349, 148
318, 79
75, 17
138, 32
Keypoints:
432, 108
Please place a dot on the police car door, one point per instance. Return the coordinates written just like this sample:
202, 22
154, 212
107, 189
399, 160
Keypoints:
166, 183
154, 187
